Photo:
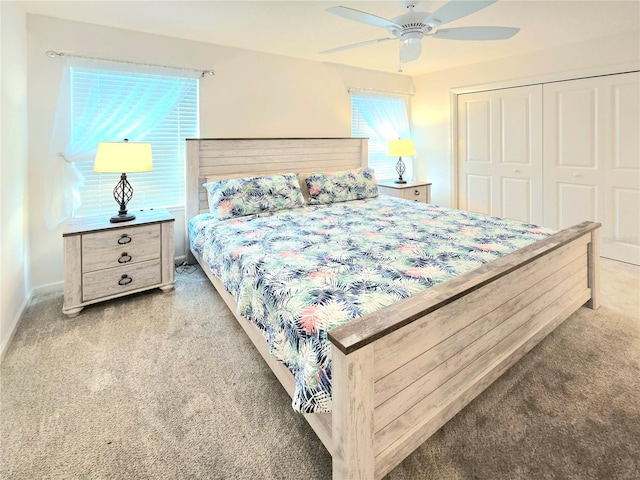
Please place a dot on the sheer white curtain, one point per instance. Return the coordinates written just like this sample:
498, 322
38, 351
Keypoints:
101, 115
385, 116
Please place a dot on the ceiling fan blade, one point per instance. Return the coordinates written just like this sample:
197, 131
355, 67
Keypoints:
362, 17
476, 33
456, 9
359, 44
410, 51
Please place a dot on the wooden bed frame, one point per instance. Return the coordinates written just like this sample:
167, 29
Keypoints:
401, 373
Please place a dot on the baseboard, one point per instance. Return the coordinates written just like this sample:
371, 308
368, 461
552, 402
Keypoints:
14, 326
55, 287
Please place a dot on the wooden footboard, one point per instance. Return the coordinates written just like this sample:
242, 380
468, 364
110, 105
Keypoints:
401, 373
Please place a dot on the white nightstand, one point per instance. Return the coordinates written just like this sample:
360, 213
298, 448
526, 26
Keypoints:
417, 191
104, 260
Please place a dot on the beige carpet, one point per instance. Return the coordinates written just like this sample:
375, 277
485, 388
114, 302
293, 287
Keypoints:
168, 386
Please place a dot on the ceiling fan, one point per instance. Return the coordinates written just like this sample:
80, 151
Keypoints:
412, 26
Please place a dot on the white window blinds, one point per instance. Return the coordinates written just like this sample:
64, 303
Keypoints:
381, 117
108, 106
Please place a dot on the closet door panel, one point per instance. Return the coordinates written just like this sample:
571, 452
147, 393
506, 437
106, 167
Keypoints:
479, 193
478, 128
621, 227
516, 199
500, 153
625, 105
575, 203
515, 126
626, 220
519, 165
576, 118
476, 157
572, 154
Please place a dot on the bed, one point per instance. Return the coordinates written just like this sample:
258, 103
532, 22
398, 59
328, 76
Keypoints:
399, 373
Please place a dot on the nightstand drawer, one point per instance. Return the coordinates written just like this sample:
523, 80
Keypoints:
419, 194
119, 247
114, 281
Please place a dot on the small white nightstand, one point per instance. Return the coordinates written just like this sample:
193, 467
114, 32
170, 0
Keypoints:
104, 260
417, 191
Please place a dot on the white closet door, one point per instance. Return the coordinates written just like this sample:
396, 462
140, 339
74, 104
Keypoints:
592, 159
476, 163
500, 153
573, 181
621, 215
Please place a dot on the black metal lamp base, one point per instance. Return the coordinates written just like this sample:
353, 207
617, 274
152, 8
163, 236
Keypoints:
122, 218
123, 192
400, 168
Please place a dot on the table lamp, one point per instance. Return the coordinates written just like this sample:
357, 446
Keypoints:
399, 148
123, 157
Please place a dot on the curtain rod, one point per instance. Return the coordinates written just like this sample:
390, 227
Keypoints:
360, 89
54, 54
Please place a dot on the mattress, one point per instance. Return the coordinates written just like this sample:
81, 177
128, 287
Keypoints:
299, 273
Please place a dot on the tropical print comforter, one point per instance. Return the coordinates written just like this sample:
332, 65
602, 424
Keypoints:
299, 273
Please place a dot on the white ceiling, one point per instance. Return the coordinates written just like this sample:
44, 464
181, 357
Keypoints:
302, 28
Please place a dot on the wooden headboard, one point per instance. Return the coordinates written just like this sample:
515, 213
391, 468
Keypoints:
248, 157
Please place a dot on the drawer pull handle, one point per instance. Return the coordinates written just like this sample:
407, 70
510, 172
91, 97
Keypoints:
416, 192
124, 239
125, 280
124, 258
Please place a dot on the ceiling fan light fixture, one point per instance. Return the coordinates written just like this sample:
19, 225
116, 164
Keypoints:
410, 51
413, 37
412, 26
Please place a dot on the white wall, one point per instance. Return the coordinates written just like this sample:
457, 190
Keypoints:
14, 235
251, 95
433, 109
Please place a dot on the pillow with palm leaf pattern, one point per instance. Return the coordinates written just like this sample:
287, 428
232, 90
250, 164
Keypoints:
341, 186
237, 197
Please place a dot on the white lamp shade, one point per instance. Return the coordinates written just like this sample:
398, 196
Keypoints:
401, 148
123, 157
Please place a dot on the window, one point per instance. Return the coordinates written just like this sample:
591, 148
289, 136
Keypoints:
110, 105
381, 117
